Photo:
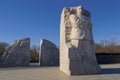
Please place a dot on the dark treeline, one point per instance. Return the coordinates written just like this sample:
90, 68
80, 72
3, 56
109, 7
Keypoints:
34, 54
3, 47
110, 46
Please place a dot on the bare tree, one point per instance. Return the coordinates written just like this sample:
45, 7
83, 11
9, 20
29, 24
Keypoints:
3, 47
34, 53
107, 46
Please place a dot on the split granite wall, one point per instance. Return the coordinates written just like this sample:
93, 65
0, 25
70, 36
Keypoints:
17, 55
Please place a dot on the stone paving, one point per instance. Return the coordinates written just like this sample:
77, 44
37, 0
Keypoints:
109, 72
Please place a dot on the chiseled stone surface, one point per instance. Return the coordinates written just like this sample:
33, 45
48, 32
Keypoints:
77, 54
49, 53
17, 54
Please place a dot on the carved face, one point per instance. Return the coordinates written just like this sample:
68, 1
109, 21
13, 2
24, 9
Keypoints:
79, 11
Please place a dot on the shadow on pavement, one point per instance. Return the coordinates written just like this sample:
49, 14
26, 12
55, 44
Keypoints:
111, 71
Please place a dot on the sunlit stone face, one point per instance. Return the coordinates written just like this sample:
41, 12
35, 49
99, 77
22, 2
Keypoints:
79, 10
77, 28
80, 27
76, 42
76, 21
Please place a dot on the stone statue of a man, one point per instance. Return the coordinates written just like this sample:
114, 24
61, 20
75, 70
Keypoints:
79, 56
81, 26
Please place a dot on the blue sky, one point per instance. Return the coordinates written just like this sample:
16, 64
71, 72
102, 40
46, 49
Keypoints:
41, 19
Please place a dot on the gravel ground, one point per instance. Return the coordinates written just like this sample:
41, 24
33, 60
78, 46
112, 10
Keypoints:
109, 72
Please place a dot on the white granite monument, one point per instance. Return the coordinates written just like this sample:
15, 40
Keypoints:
77, 54
49, 53
17, 55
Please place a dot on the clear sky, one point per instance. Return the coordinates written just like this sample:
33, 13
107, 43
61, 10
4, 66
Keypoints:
41, 19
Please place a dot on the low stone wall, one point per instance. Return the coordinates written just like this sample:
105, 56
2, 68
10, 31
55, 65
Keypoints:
106, 58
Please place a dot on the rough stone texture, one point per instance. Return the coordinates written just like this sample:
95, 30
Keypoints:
49, 53
18, 54
77, 55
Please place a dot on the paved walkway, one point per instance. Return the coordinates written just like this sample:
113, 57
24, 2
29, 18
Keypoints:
109, 72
